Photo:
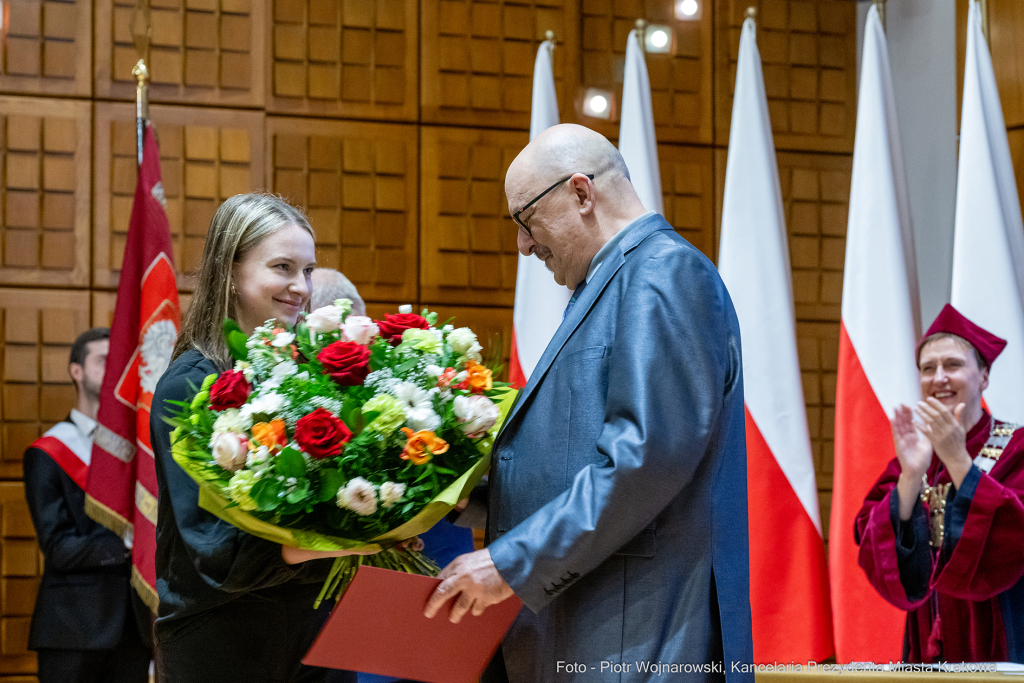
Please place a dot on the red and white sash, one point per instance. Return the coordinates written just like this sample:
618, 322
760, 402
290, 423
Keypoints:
69, 449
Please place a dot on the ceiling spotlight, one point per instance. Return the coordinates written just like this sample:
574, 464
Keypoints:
688, 10
658, 39
598, 103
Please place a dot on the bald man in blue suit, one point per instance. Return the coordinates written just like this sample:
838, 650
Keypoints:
618, 497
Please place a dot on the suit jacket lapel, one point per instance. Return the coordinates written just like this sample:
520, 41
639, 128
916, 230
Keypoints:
582, 307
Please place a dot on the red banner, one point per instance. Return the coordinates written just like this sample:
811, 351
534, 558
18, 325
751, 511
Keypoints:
122, 487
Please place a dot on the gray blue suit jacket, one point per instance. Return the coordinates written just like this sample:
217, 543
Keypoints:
618, 502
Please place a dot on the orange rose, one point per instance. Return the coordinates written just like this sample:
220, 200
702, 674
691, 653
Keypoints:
421, 446
270, 434
478, 378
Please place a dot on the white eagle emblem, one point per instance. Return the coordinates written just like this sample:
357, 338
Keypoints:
157, 347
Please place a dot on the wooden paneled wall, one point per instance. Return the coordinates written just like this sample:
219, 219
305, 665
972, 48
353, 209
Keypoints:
392, 123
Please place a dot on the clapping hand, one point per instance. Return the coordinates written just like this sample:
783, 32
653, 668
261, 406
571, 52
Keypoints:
946, 434
914, 453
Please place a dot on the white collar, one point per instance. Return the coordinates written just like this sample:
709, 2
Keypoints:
85, 424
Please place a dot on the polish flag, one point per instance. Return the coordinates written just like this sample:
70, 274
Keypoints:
988, 242
637, 142
789, 599
877, 368
540, 300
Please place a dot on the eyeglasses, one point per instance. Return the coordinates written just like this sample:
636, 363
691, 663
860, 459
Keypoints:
536, 199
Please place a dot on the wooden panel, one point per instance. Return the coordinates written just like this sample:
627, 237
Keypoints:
1016, 140
809, 54
681, 83
48, 47
206, 156
45, 157
20, 568
468, 241
818, 348
358, 184
478, 57
1005, 26
355, 59
688, 194
208, 51
39, 327
103, 307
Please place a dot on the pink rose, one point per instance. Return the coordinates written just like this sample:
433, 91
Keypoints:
359, 329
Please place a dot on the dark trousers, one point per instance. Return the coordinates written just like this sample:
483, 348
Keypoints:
250, 640
127, 663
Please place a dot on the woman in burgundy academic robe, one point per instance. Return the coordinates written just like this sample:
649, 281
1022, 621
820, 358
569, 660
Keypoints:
942, 532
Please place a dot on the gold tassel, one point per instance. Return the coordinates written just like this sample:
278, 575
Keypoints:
145, 591
101, 514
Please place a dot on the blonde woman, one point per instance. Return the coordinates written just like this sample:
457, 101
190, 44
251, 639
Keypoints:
233, 607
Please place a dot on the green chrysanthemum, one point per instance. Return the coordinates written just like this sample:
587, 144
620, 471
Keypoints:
421, 340
391, 417
239, 488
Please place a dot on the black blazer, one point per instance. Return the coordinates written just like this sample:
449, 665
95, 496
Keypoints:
84, 596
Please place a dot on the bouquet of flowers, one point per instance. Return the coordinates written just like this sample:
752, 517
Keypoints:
343, 433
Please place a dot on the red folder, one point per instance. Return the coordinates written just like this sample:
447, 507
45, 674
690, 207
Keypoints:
378, 627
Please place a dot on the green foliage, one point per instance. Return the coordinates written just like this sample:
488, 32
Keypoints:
235, 339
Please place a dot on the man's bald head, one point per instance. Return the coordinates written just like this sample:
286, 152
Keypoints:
560, 151
566, 224
330, 285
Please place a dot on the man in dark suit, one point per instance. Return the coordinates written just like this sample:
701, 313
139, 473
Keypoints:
618, 498
84, 627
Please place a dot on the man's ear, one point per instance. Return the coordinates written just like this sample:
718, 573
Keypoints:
77, 372
984, 379
584, 190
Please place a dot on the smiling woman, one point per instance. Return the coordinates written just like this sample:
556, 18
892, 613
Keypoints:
231, 608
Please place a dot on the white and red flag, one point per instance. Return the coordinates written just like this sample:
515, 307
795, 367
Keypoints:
539, 299
789, 599
877, 368
988, 242
122, 486
638, 143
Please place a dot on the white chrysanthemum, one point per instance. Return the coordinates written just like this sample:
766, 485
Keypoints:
475, 352
232, 420
433, 370
423, 419
411, 396
461, 340
391, 493
359, 496
265, 404
157, 347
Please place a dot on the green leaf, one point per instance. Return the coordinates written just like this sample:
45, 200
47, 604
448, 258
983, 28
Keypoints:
264, 494
235, 339
331, 481
289, 463
298, 495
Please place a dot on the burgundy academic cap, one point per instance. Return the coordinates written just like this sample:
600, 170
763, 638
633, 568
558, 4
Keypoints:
953, 321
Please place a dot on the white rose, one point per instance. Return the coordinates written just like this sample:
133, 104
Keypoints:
405, 308
282, 339
476, 414
229, 450
359, 496
360, 329
391, 493
461, 340
326, 319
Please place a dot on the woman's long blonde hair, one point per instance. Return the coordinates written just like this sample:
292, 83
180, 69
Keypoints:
240, 224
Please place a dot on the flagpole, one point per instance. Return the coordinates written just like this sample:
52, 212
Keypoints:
641, 34
141, 73
880, 4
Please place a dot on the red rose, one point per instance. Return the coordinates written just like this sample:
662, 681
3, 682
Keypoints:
346, 362
392, 327
321, 435
229, 391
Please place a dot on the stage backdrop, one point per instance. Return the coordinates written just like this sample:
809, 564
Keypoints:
392, 123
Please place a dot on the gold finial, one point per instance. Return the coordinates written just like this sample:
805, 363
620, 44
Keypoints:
641, 25
549, 35
880, 4
751, 13
140, 71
